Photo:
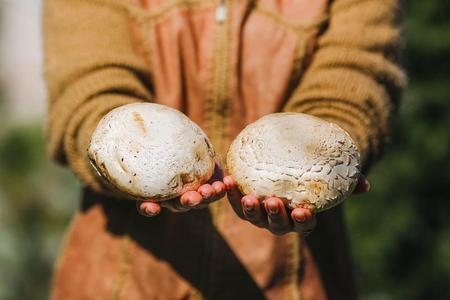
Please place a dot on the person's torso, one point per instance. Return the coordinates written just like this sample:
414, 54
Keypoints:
225, 64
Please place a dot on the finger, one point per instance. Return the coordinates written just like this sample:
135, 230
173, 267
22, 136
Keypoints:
362, 186
208, 196
148, 209
304, 220
234, 196
207, 192
191, 199
220, 189
276, 216
302, 215
253, 211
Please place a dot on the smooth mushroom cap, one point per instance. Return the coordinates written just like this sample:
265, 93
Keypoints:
305, 160
151, 151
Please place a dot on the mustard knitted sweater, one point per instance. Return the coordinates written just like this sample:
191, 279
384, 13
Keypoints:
92, 66
97, 58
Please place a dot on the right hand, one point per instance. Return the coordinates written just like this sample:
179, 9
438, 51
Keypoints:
207, 193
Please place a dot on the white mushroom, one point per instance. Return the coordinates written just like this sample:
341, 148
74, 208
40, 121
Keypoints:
151, 151
307, 161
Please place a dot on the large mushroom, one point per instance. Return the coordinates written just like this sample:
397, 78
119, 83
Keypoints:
151, 151
308, 162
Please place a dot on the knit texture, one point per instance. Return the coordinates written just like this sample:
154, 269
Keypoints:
354, 79
101, 54
91, 68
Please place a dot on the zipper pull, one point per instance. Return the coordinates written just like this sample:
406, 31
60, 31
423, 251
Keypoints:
221, 12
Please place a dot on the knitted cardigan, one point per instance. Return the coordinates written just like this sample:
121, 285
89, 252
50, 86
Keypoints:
244, 59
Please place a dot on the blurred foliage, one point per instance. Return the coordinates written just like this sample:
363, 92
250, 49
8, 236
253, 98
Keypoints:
36, 200
400, 230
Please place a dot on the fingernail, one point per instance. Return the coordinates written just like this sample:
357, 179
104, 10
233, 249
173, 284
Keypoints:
274, 209
206, 191
206, 194
248, 206
191, 198
192, 203
218, 187
300, 217
149, 213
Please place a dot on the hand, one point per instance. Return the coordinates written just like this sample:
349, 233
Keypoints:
207, 193
272, 213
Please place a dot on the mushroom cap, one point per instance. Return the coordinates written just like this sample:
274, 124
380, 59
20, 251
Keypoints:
151, 151
309, 162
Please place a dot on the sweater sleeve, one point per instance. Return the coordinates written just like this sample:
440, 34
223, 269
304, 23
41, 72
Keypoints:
354, 78
90, 68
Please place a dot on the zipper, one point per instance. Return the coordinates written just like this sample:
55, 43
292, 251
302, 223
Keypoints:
217, 124
221, 11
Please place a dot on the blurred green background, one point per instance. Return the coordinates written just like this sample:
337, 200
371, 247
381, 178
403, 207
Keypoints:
400, 231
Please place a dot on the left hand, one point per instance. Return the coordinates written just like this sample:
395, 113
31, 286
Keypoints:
272, 213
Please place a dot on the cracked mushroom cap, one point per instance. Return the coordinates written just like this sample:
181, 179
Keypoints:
309, 162
151, 151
